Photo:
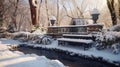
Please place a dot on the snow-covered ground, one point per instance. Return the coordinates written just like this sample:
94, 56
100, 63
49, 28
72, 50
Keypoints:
105, 54
9, 41
18, 59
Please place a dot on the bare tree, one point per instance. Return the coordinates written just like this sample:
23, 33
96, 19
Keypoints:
67, 12
79, 9
117, 9
47, 14
1, 12
34, 11
58, 11
12, 13
111, 7
15, 13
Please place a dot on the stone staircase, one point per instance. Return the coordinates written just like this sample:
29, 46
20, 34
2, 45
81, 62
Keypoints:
85, 41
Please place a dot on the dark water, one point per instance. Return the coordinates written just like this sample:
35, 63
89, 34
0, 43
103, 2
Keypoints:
65, 58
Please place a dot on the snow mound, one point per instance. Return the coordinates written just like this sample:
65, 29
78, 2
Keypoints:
115, 28
3, 47
56, 63
18, 59
95, 11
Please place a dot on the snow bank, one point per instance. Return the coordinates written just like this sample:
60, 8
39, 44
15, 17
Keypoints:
9, 41
115, 28
105, 54
3, 47
76, 40
76, 35
39, 31
18, 59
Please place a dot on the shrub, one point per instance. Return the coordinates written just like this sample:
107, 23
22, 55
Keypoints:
106, 39
115, 28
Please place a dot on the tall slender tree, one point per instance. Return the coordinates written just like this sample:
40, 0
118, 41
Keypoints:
34, 11
118, 12
111, 6
15, 13
1, 12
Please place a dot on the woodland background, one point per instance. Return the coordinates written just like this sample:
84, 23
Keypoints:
16, 13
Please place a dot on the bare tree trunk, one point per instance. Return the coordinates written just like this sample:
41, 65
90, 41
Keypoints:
15, 14
13, 25
111, 7
34, 11
48, 24
119, 9
20, 24
39, 4
1, 12
58, 13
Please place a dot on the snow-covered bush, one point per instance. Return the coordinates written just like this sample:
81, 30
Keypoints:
46, 41
106, 36
42, 39
37, 39
5, 35
22, 36
115, 28
107, 39
116, 48
33, 38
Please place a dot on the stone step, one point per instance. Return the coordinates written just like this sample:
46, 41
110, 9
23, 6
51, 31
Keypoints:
75, 42
76, 36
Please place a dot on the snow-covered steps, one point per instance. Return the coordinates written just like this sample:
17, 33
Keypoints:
79, 42
77, 36
76, 40
85, 40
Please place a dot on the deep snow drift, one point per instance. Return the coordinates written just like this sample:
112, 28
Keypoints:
18, 59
